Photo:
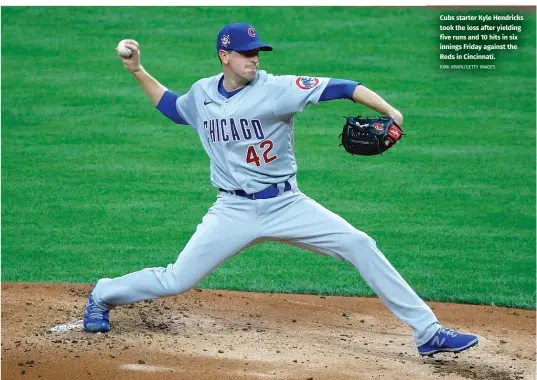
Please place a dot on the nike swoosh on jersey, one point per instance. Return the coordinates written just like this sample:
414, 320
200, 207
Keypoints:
205, 102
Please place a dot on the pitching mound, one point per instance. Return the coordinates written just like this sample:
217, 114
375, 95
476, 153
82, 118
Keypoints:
234, 335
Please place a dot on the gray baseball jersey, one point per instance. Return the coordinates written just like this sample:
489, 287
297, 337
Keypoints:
249, 137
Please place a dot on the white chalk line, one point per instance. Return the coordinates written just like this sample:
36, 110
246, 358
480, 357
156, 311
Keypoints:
146, 368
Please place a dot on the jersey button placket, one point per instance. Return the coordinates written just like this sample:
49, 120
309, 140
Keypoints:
224, 110
233, 170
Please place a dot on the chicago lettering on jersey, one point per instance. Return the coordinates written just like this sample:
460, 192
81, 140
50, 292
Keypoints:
223, 130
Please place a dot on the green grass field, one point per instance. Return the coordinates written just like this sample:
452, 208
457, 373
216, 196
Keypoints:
96, 183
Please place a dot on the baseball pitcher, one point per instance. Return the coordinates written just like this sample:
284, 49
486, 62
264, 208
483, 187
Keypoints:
244, 118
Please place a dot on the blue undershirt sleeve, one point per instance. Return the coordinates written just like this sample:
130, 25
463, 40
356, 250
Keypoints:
167, 106
339, 89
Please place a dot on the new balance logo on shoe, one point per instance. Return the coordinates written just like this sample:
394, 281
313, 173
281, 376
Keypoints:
437, 342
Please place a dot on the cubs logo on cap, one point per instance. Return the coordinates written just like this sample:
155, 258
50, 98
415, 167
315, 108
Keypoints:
306, 83
240, 36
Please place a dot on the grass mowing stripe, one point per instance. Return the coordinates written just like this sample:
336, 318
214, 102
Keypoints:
96, 183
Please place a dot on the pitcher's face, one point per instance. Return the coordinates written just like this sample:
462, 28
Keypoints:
242, 64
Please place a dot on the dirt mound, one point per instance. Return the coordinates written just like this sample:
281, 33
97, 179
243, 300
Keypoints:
236, 335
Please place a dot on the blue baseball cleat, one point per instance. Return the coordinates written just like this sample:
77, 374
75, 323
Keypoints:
96, 318
447, 340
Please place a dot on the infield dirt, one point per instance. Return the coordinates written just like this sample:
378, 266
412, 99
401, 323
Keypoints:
210, 334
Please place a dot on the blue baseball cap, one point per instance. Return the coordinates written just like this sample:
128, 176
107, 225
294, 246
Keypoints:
239, 36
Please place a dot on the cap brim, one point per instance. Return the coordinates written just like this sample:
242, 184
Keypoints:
253, 46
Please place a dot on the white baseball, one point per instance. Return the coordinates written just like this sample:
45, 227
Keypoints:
123, 50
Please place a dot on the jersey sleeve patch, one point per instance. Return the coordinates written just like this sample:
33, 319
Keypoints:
306, 83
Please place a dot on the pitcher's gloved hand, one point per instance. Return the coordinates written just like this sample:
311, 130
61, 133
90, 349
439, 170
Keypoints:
369, 136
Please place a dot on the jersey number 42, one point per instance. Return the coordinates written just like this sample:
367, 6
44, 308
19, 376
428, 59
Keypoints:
253, 157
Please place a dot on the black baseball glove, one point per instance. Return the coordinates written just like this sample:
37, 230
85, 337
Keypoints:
369, 136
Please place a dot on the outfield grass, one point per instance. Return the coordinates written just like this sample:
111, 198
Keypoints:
96, 183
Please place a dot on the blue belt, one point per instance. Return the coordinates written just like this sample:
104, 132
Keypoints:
270, 192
